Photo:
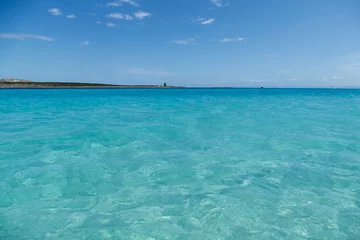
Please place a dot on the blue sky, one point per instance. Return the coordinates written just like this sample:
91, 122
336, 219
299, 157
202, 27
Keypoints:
284, 43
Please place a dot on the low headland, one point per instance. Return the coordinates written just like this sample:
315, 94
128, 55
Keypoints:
20, 83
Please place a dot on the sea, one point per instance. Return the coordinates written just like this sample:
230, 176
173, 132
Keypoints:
150, 164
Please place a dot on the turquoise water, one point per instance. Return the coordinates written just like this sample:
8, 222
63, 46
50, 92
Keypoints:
180, 164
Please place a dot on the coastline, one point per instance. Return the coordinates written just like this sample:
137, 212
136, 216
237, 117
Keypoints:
67, 85
79, 85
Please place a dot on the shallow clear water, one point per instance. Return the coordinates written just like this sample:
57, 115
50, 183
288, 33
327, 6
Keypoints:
180, 164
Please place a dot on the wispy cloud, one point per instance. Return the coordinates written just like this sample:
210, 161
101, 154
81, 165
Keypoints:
149, 72
110, 24
254, 81
229, 40
293, 79
98, 22
118, 3
119, 16
198, 19
190, 41
352, 65
336, 77
131, 2
208, 21
219, 3
204, 21
25, 36
113, 4
72, 16
142, 15
55, 11
85, 43
93, 14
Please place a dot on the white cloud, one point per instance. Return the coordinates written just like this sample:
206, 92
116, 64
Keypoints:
253, 81
131, 2
113, 4
209, 21
85, 43
25, 36
204, 21
219, 3
72, 16
148, 72
199, 19
336, 77
293, 79
110, 24
119, 16
184, 41
55, 11
93, 14
118, 3
98, 22
142, 15
228, 40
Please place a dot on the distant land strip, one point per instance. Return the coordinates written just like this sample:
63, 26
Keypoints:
20, 83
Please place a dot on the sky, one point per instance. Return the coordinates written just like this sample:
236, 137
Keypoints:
250, 43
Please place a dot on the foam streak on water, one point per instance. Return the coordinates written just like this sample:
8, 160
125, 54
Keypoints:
180, 164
